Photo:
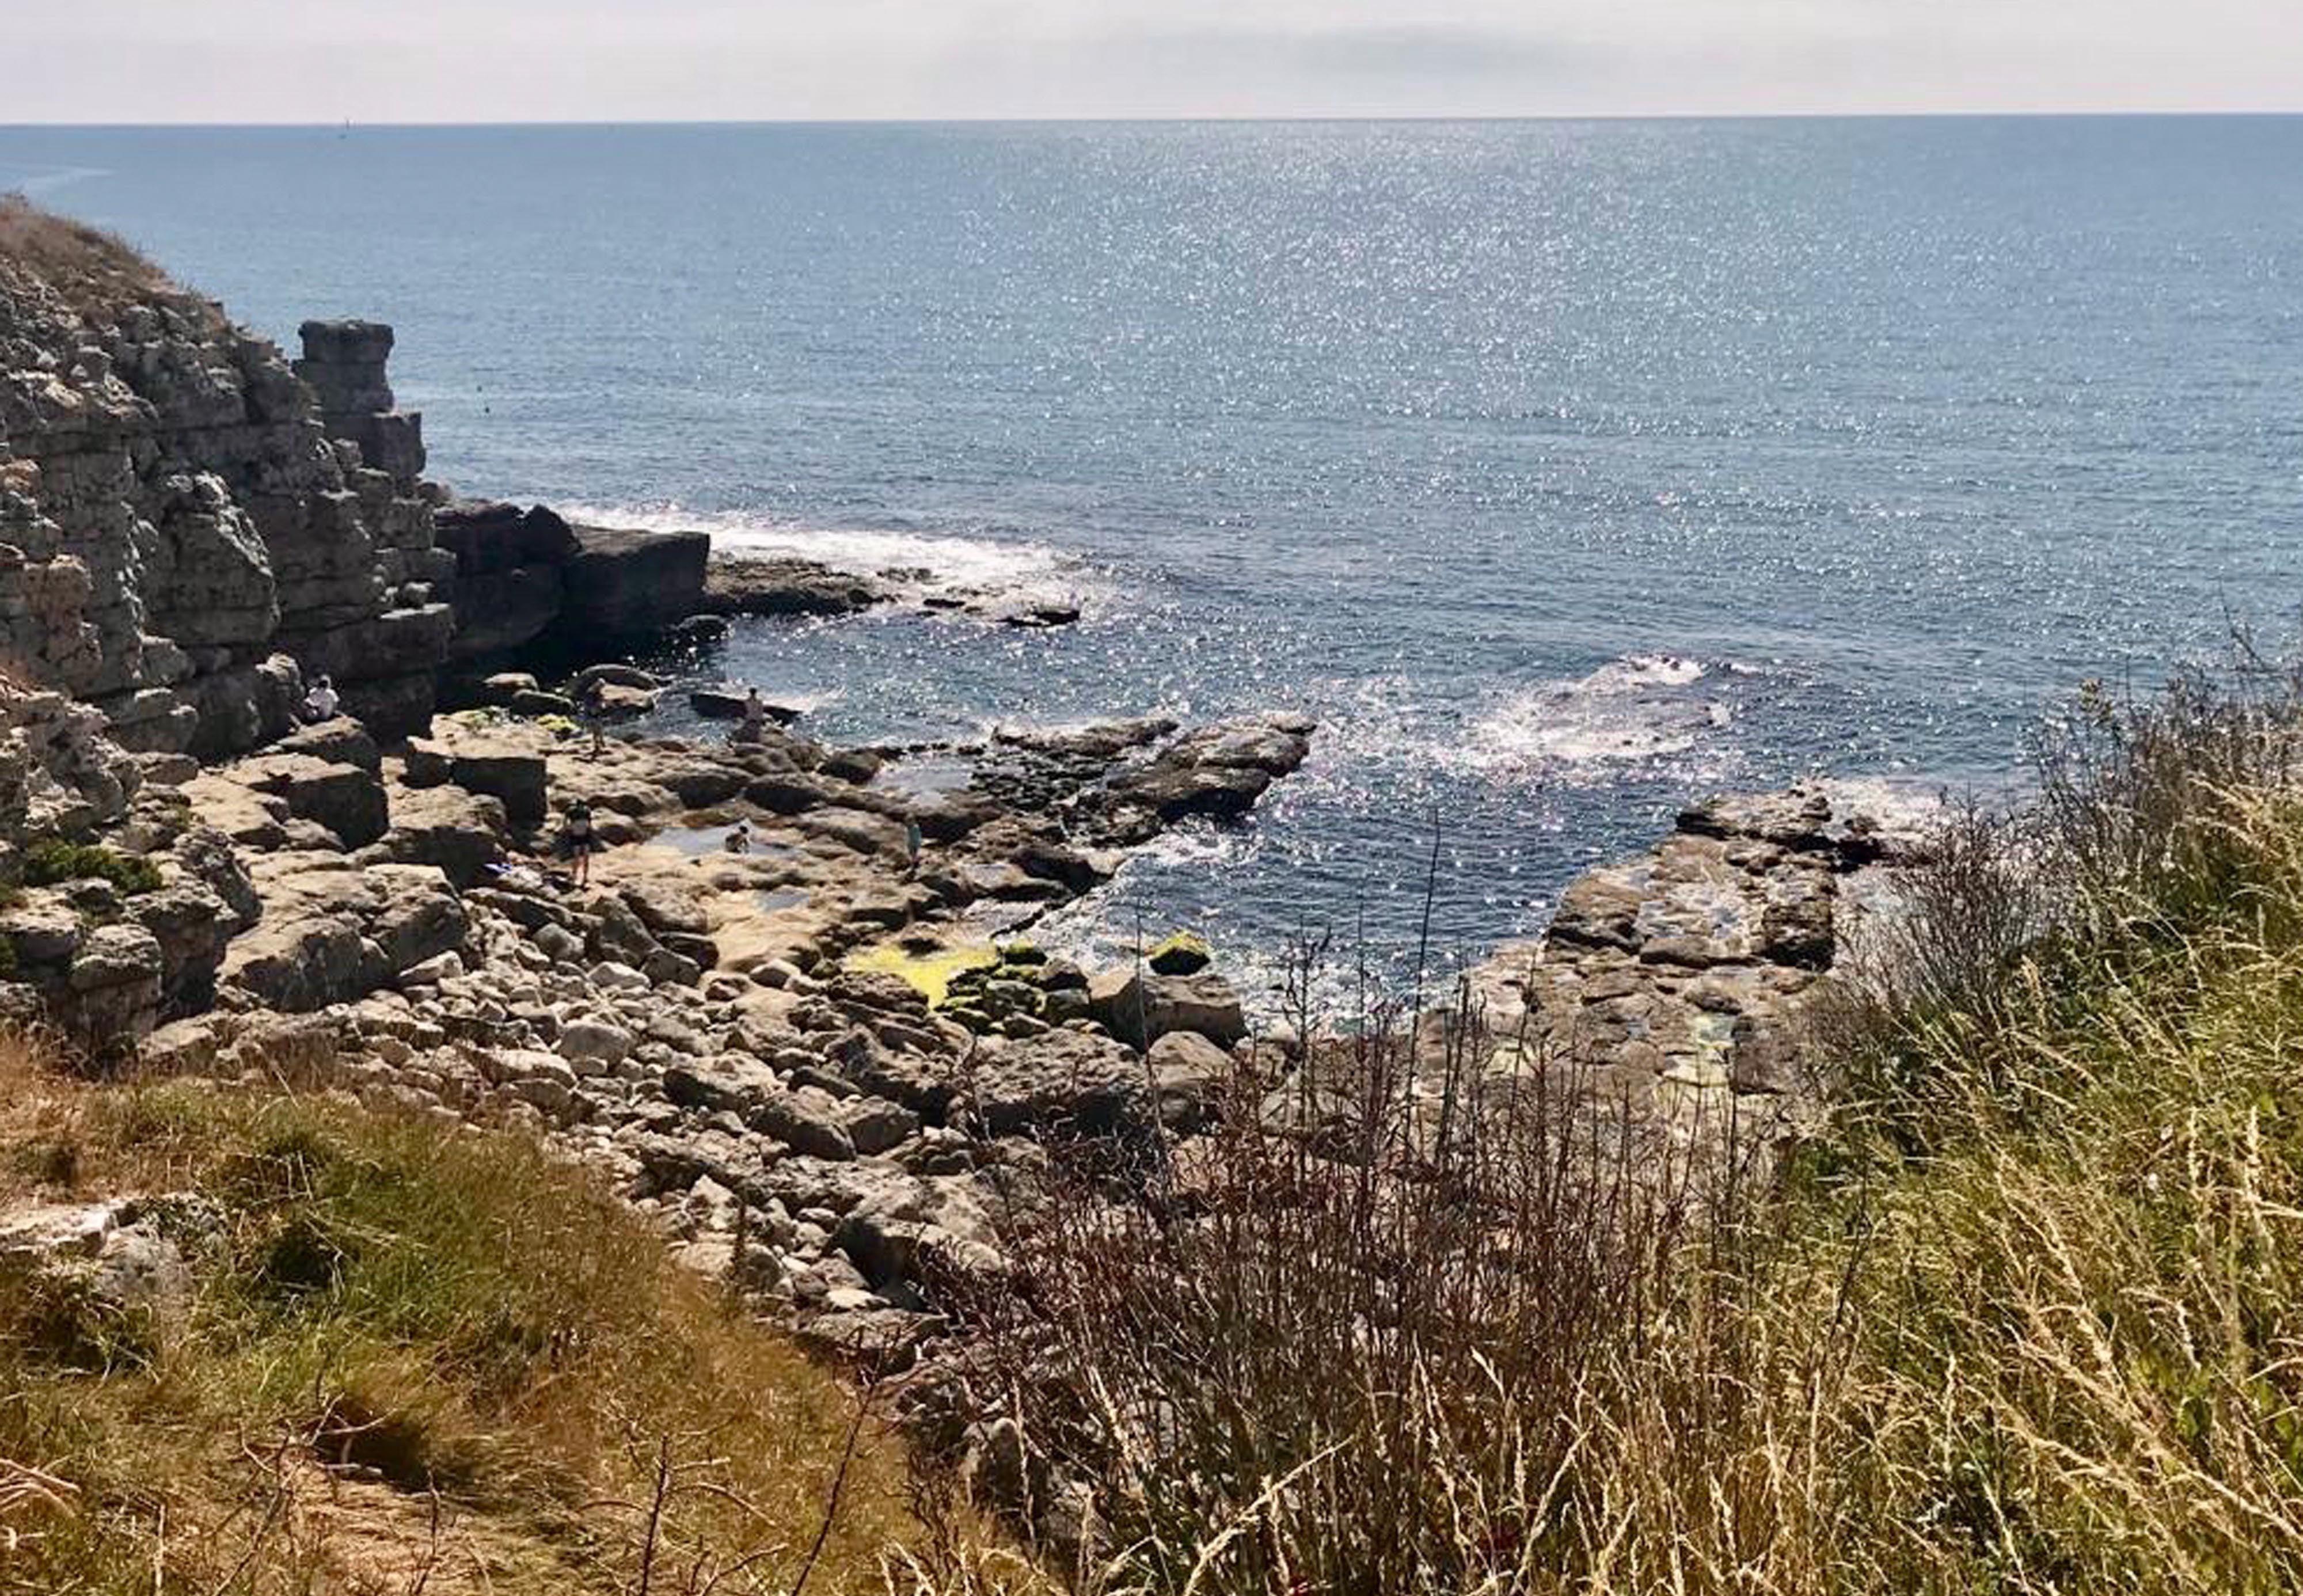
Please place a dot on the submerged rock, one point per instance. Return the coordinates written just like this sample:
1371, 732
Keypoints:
746, 586
726, 702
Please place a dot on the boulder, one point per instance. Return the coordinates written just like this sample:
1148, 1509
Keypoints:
192, 924
855, 766
538, 704
42, 930
904, 1224
347, 799
111, 1253
411, 914
307, 963
593, 1042
423, 762
487, 535
807, 1119
431, 972
615, 703
613, 673
1188, 1074
513, 776
780, 586
1060, 1082
790, 794
1219, 771
504, 686
1181, 954
341, 740
623, 583
115, 989
332, 932
730, 1082
498, 612
1140, 1006
458, 831
877, 1127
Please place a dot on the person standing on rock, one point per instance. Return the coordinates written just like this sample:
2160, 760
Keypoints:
580, 840
755, 718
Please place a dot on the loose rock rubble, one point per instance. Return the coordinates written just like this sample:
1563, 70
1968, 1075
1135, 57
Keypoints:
706, 1026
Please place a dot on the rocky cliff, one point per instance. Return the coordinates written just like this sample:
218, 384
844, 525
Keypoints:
189, 526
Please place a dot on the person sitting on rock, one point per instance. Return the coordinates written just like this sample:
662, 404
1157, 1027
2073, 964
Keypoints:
321, 702
739, 838
578, 837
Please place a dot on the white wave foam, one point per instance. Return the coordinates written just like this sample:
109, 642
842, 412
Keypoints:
1101, 927
1003, 574
1637, 710
1904, 807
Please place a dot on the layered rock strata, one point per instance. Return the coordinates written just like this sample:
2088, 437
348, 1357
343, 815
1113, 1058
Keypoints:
183, 539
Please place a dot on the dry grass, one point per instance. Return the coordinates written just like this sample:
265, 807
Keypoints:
415, 1361
2030, 1320
1339, 1346
86, 267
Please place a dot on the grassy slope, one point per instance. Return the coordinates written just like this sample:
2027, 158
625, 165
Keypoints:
85, 266
2058, 1351
508, 1363
2033, 1321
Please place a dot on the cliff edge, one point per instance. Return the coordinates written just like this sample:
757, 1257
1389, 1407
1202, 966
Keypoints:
189, 525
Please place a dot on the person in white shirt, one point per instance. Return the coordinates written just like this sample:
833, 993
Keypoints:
753, 727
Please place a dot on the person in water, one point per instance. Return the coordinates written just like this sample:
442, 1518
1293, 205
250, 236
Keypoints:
321, 702
578, 837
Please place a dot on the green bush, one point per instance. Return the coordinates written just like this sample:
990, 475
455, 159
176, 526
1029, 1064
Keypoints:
46, 864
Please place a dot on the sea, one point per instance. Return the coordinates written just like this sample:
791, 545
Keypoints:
1563, 470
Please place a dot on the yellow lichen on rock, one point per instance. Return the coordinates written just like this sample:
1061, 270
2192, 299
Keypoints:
931, 974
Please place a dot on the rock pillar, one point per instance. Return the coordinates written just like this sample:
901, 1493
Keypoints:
343, 365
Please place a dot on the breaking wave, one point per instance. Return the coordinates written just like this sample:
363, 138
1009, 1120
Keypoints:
1645, 709
998, 574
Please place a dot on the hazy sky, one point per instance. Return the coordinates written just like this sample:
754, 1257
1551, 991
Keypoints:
609, 60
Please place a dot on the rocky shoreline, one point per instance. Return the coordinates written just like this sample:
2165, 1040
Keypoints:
828, 1061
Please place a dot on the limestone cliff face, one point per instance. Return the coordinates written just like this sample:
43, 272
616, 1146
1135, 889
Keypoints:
189, 527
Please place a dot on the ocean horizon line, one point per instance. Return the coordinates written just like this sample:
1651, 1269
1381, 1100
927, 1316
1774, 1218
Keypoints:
1185, 119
